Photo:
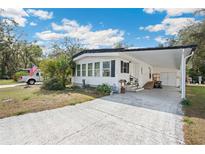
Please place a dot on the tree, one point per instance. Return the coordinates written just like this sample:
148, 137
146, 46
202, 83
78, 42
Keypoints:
29, 54
194, 34
118, 45
15, 52
59, 64
8, 41
121, 45
67, 46
60, 68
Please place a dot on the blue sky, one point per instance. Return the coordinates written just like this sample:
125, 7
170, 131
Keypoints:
102, 28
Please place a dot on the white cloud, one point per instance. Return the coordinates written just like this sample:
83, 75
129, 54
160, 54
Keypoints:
171, 26
161, 39
84, 33
171, 11
33, 24
43, 15
144, 37
141, 28
134, 47
18, 15
147, 37
48, 35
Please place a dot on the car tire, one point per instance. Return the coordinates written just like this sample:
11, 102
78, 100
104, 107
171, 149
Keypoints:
31, 81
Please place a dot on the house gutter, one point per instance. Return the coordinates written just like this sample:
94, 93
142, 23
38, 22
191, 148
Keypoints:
183, 72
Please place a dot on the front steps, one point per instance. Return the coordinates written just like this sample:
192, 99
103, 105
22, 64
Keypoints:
149, 85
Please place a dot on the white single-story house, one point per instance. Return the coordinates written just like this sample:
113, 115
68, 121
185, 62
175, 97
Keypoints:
98, 66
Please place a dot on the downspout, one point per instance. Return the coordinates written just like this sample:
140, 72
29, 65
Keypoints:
183, 71
192, 53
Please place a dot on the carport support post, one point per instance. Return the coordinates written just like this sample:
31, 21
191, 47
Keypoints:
183, 75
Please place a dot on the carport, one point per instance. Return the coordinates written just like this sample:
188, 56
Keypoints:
169, 62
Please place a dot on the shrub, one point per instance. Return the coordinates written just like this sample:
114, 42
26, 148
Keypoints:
188, 121
104, 89
53, 84
17, 75
60, 67
186, 102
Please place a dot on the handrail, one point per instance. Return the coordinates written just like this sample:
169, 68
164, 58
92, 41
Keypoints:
133, 77
136, 81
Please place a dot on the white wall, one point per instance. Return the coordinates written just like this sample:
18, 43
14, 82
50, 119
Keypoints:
165, 70
135, 64
93, 80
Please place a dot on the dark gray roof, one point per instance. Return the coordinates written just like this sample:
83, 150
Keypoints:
130, 50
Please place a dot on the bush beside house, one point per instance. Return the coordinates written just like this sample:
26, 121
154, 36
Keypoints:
57, 72
53, 84
104, 89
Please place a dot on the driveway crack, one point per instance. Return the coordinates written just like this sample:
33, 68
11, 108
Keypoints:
80, 130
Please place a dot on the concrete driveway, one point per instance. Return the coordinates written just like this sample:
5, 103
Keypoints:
146, 117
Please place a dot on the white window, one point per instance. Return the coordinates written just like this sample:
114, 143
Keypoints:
124, 67
97, 69
83, 69
90, 69
106, 68
78, 70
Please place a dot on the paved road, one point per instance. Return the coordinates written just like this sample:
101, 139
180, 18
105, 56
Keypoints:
146, 117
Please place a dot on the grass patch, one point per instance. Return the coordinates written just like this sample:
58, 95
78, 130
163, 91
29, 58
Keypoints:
19, 100
194, 120
188, 121
7, 82
26, 98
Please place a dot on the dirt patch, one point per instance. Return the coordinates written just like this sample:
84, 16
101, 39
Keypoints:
18, 100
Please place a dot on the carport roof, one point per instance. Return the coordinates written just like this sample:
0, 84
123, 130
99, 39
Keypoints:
192, 47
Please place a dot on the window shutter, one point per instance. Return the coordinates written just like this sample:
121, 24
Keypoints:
73, 72
112, 68
128, 67
121, 66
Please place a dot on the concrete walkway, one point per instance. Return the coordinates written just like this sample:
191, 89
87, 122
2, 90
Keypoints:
146, 117
17, 84
12, 85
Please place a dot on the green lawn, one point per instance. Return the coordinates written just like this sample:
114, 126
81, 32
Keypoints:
20, 100
6, 82
194, 121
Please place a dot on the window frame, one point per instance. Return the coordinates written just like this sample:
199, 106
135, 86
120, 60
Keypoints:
96, 69
125, 67
108, 69
78, 71
90, 69
83, 71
